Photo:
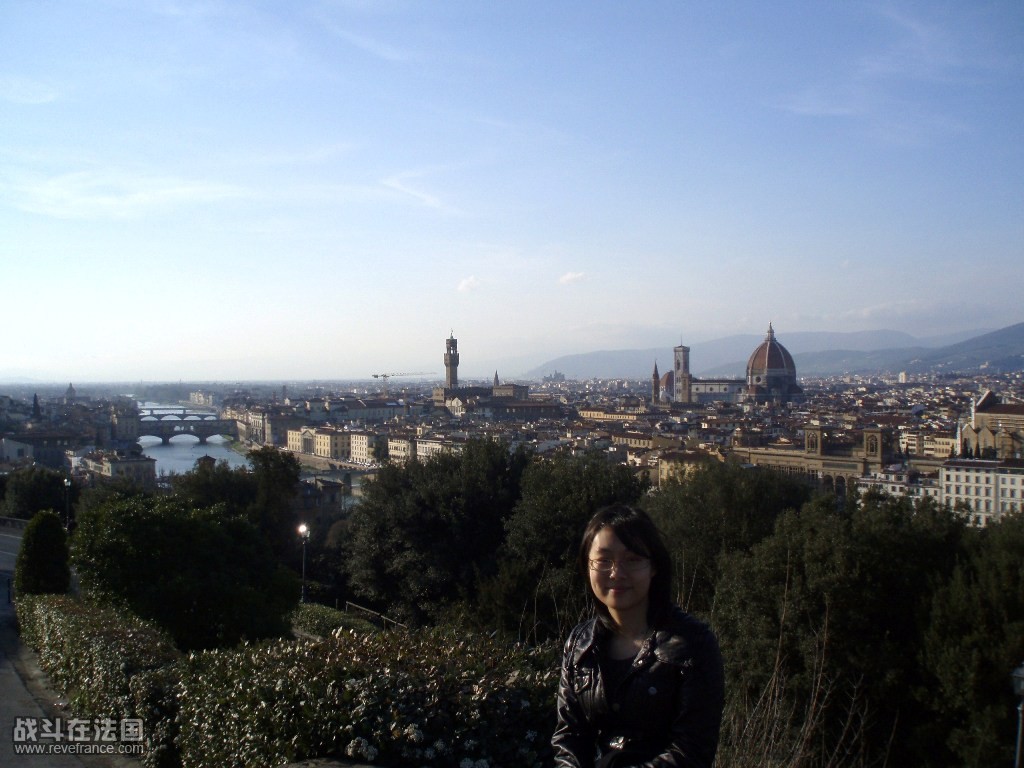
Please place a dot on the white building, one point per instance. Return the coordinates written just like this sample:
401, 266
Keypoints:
986, 489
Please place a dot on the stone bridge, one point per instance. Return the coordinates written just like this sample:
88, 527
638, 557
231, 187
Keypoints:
202, 427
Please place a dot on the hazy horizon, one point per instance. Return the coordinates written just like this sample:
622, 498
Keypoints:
200, 190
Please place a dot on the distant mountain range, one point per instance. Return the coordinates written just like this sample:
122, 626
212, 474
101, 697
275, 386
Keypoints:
815, 354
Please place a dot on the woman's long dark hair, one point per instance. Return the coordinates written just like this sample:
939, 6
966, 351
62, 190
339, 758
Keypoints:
639, 535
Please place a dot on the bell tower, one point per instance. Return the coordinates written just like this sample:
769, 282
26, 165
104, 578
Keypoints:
451, 362
682, 376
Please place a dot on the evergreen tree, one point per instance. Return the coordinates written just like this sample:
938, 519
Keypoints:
718, 509
424, 531
34, 489
974, 640
833, 609
206, 577
42, 564
536, 592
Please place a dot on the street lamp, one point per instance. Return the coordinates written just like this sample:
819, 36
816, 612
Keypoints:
1018, 688
304, 534
67, 504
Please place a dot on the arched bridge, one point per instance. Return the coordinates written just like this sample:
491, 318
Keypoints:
199, 426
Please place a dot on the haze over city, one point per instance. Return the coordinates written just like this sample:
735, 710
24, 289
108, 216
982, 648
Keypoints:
213, 190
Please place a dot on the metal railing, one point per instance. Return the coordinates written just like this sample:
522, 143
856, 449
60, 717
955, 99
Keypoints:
13, 522
378, 618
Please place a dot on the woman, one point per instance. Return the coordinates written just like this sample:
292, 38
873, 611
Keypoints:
642, 681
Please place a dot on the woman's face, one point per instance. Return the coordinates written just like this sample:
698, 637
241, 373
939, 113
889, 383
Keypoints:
622, 578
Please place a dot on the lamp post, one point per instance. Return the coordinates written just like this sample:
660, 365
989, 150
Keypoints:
304, 535
1018, 688
67, 504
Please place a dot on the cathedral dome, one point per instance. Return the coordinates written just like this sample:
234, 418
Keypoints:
771, 358
771, 372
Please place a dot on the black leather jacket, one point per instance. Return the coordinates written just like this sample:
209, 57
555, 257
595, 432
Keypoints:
671, 699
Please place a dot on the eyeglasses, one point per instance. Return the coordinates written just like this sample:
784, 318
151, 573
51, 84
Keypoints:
629, 565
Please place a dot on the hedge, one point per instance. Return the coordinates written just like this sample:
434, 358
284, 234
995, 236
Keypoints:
321, 620
397, 698
428, 698
108, 664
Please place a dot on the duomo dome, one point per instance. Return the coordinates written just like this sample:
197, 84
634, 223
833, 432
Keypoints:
771, 373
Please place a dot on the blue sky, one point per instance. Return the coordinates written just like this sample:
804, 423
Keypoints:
263, 190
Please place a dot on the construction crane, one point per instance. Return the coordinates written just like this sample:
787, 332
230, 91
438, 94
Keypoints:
386, 376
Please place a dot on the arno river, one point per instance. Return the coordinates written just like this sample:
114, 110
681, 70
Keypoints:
180, 454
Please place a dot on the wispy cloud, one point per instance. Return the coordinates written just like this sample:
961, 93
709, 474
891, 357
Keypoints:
299, 156
870, 87
376, 48
921, 51
400, 183
571, 277
26, 90
111, 194
468, 284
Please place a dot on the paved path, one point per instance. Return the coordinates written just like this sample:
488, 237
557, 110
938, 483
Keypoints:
24, 689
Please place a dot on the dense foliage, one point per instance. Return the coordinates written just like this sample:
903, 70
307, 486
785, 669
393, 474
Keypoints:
426, 699
536, 592
432, 698
34, 489
841, 621
263, 495
207, 577
856, 632
717, 510
108, 663
321, 621
42, 564
424, 530
974, 636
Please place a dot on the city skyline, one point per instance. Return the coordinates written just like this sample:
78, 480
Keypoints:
318, 190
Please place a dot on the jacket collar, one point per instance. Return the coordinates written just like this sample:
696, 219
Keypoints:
668, 644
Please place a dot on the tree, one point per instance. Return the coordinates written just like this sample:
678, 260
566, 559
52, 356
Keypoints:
34, 489
833, 608
210, 484
425, 530
974, 639
207, 577
277, 476
536, 591
718, 509
42, 565
560, 495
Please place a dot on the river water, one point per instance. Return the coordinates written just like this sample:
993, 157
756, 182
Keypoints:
180, 455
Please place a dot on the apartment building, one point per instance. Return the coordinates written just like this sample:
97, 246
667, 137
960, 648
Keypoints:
984, 489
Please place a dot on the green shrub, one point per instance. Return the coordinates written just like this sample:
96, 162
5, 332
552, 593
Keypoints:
209, 579
321, 621
426, 699
42, 566
108, 664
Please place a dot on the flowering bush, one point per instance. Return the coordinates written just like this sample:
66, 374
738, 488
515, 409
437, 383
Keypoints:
429, 698
425, 699
108, 663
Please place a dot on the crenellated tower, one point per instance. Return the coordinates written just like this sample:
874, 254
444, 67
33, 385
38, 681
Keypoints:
451, 362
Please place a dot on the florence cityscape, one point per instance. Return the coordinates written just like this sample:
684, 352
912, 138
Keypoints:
332, 323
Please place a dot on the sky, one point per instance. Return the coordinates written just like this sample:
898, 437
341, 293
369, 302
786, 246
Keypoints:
319, 189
